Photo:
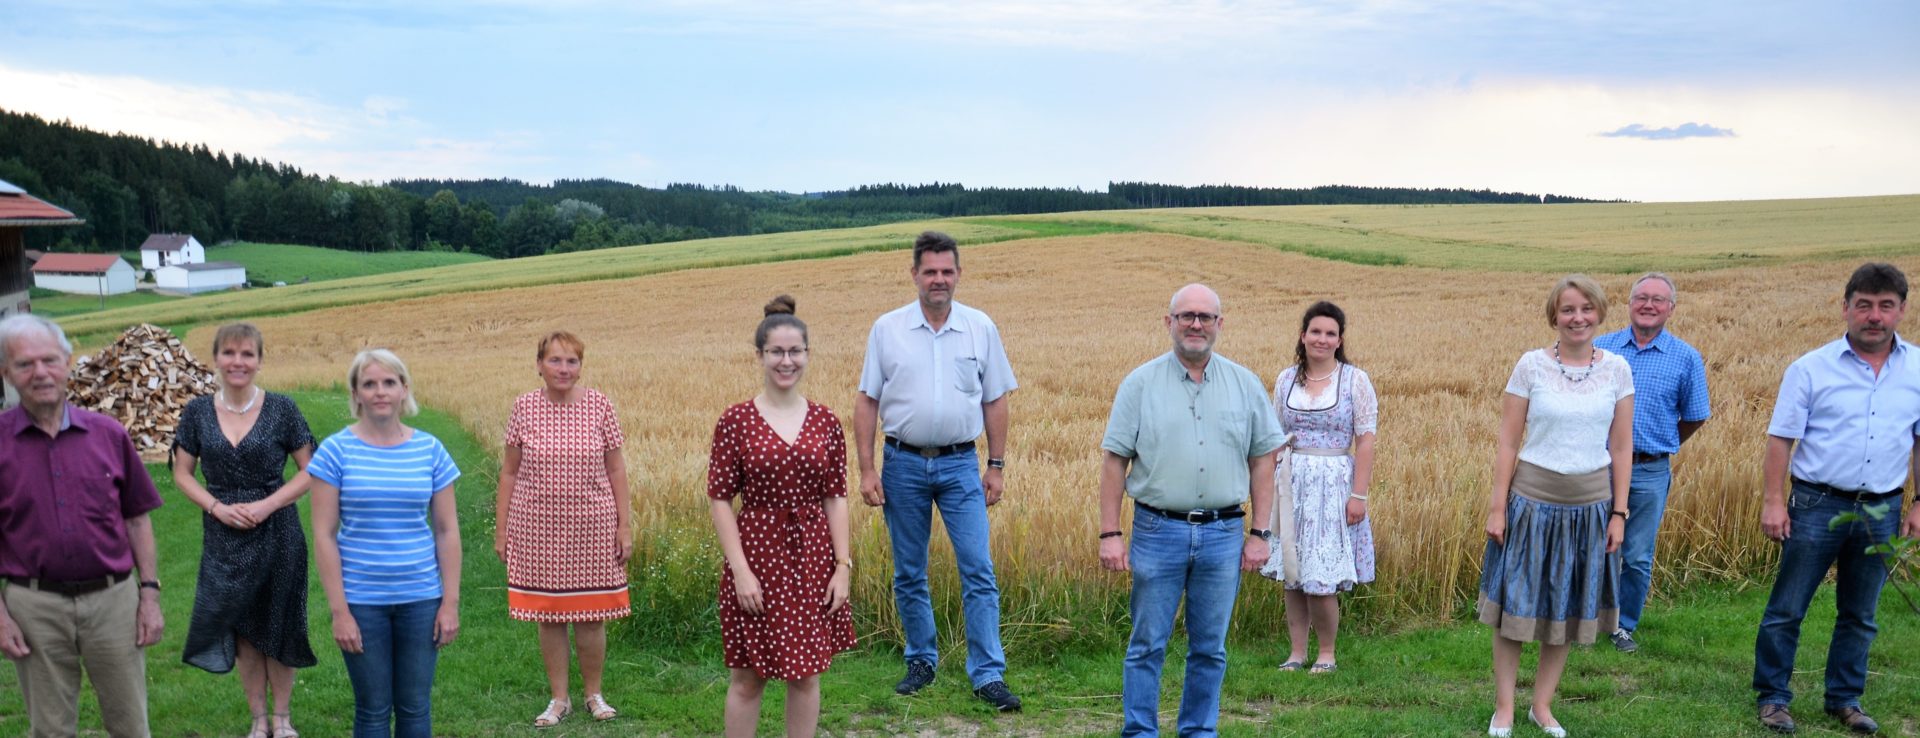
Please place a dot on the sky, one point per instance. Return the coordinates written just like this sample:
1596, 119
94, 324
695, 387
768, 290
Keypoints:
1653, 101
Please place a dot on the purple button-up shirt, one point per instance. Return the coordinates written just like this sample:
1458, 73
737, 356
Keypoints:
65, 499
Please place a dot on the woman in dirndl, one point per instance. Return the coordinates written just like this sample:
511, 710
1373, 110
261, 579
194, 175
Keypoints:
561, 522
1558, 507
1322, 542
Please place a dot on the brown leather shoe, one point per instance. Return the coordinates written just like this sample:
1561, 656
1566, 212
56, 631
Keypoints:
1776, 719
1855, 719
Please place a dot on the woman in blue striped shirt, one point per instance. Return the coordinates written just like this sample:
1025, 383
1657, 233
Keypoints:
388, 549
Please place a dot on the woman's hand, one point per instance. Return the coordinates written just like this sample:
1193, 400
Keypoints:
446, 624
1356, 510
500, 542
256, 511
746, 587
1616, 532
1497, 526
346, 633
838, 588
231, 516
623, 549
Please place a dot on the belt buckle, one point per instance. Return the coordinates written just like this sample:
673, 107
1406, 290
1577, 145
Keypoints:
1197, 517
929, 453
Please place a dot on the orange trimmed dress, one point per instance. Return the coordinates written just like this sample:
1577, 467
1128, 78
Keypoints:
563, 552
783, 531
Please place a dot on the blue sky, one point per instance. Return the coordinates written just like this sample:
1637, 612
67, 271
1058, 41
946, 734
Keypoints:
1648, 101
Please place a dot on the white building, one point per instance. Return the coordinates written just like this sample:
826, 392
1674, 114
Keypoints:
197, 278
168, 249
84, 274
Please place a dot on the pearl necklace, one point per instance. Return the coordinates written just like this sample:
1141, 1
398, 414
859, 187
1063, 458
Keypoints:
1324, 377
242, 410
1592, 364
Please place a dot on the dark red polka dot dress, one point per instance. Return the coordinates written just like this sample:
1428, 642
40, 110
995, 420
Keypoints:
783, 530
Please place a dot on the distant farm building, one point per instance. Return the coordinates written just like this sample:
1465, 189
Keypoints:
203, 277
18, 212
84, 274
168, 249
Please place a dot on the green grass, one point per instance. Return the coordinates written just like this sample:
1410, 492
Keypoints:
61, 305
1690, 677
277, 262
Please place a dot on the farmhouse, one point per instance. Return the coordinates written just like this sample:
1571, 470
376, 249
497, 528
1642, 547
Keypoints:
168, 249
203, 277
84, 274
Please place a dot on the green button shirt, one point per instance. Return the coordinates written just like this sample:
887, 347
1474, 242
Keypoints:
1189, 442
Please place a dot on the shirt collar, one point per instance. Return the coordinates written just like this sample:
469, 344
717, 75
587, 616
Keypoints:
16, 420
1180, 370
920, 319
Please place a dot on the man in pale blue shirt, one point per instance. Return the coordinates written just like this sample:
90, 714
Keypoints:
1841, 441
1191, 439
1669, 404
936, 377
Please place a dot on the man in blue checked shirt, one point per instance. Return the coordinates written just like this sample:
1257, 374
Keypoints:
1669, 404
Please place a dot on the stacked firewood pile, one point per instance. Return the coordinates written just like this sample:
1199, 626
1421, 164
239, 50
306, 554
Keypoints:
144, 379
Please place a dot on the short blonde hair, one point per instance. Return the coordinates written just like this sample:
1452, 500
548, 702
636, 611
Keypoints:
391, 363
562, 338
233, 332
1586, 286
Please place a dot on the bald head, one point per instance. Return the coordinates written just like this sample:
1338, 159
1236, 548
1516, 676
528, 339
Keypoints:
1201, 298
1193, 320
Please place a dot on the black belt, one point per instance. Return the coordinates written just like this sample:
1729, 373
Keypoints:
1196, 517
1851, 494
931, 453
1642, 458
69, 587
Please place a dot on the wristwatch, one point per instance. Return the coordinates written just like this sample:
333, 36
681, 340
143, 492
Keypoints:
153, 584
996, 463
1622, 513
1264, 535
844, 562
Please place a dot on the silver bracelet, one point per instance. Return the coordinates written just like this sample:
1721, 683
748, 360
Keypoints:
1362, 498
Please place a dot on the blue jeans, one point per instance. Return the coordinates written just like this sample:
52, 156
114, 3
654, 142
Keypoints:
1646, 505
1809, 551
914, 485
1171, 559
393, 674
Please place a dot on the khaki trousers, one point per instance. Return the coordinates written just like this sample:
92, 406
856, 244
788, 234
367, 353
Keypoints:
95, 630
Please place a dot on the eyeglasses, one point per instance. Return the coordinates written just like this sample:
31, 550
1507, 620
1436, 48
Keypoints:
1201, 319
1654, 300
780, 353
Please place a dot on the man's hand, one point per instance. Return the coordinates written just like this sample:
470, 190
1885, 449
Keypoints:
13, 643
1911, 528
870, 489
1775, 522
995, 483
1113, 554
148, 622
1254, 554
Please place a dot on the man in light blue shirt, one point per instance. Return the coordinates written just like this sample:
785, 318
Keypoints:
936, 377
1841, 441
1191, 439
1669, 404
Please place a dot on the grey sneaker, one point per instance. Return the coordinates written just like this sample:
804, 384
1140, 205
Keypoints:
1623, 641
919, 675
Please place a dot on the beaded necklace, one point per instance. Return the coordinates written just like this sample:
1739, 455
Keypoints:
1592, 364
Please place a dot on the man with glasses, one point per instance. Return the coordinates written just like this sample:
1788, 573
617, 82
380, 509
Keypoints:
935, 377
1190, 438
1669, 405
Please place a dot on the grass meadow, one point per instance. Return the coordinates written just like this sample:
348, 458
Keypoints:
291, 263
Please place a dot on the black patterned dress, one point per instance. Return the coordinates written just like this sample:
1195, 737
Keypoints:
253, 583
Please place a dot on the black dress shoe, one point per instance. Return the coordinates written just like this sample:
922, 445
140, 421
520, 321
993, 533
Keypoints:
1776, 718
919, 675
997, 694
1855, 719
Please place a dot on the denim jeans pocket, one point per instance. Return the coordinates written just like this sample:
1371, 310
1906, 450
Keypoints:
1800, 498
1147, 522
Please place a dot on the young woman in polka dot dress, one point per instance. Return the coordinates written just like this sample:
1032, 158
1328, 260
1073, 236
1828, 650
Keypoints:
783, 590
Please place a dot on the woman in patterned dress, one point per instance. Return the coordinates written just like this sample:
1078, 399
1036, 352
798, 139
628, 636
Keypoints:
1329, 407
561, 517
1558, 507
250, 601
784, 586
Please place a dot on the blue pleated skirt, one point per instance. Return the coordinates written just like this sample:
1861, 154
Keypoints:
1553, 581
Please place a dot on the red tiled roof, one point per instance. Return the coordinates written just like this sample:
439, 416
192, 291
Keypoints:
76, 263
24, 207
165, 242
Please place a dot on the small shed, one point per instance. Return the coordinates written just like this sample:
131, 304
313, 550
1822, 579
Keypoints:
203, 277
168, 249
84, 274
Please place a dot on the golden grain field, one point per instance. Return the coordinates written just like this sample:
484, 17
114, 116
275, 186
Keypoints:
673, 350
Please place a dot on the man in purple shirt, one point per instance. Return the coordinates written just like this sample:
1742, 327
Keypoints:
74, 499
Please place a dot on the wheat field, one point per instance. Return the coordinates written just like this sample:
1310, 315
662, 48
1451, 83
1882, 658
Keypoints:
673, 350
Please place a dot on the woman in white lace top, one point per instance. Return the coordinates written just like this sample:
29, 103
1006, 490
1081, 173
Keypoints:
1558, 505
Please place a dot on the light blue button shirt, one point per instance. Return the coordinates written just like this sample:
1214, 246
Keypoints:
1855, 429
1669, 387
1190, 442
931, 384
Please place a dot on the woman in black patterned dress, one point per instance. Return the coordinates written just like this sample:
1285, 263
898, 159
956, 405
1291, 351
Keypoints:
250, 604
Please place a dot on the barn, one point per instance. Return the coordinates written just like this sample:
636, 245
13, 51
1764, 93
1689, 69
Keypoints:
196, 278
168, 249
84, 274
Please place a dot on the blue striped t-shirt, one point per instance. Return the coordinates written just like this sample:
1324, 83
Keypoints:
387, 555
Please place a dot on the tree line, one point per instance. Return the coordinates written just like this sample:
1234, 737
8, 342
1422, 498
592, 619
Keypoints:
127, 187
